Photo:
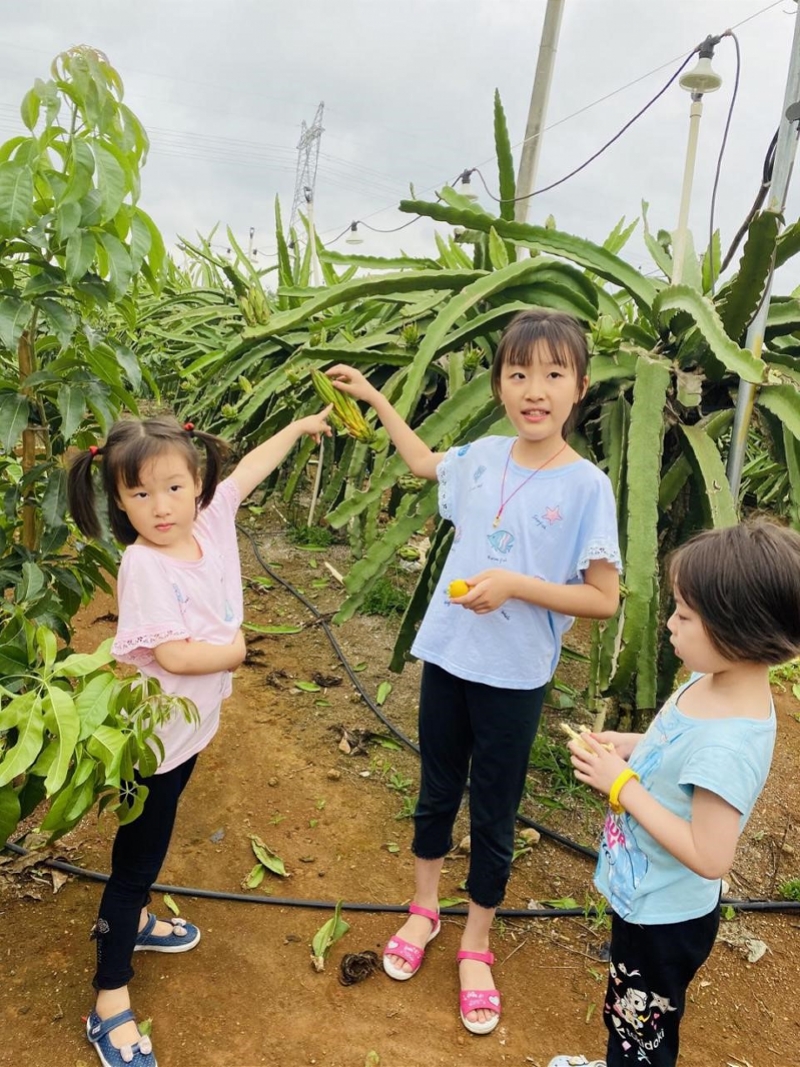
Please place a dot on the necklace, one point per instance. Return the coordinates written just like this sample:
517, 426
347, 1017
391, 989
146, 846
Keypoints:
505, 499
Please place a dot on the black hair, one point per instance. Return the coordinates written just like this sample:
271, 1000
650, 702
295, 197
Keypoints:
130, 444
744, 583
561, 334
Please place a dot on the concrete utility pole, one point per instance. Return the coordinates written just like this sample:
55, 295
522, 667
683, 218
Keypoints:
785, 151
534, 131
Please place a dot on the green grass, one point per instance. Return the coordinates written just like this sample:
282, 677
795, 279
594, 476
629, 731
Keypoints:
385, 599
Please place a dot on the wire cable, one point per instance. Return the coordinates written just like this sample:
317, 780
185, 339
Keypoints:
731, 105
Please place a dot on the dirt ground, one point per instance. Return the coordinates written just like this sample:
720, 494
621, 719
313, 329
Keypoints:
248, 995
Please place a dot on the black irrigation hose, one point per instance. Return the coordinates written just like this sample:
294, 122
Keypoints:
295, 902
374, 708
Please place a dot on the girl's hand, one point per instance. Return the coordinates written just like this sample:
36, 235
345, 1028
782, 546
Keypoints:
598, 768
623, 744
316, 425
239, 648
488, 591
352, 381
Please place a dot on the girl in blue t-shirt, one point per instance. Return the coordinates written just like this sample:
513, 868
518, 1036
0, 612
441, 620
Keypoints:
681, 793
536, 542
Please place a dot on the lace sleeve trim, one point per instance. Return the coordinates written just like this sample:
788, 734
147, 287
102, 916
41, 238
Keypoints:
600, 550
445, 489
137, 647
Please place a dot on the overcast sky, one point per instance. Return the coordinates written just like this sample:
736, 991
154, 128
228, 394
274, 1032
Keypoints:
222, 87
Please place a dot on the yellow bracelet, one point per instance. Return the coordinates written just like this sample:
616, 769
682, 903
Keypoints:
621, 780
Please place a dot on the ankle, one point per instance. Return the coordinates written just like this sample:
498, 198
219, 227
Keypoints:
112, 1001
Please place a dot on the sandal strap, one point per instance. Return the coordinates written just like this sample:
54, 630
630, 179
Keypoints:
426, 913
106, 1025
148, 926
474, 999
398, 946
481, 957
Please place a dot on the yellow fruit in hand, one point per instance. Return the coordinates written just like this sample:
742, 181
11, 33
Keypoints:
456, 588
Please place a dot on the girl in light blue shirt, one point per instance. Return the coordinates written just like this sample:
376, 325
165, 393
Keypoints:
681, 793
536, 543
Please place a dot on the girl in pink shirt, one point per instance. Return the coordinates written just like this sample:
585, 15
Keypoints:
180, 614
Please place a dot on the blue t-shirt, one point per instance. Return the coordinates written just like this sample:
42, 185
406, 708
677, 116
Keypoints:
552, 528
730, 757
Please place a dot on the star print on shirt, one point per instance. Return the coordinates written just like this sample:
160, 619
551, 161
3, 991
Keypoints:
553, 515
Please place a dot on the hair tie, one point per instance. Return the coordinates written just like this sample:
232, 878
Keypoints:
93, 450
189, 427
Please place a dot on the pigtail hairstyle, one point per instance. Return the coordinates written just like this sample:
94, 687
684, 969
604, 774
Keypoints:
80, 493
131, 443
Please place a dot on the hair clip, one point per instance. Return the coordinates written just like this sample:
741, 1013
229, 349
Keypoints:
93, 450
189, 427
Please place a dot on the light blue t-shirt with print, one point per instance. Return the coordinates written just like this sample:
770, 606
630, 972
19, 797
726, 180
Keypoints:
643, 882
551, 527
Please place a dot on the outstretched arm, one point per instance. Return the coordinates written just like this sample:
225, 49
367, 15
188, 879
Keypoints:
200, 657
262, 460
422, 461
706, 843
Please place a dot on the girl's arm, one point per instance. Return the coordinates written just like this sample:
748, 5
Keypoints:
623, 744
421, 460
706, 843
597, 597
262, 460
200, 657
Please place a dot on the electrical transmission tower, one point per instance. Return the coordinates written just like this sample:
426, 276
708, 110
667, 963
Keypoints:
305, 182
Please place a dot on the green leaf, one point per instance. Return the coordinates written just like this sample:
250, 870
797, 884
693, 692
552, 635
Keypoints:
327, 936
452, 902
29, 109
255, 877
60, 319
743, 294
93, 703
384, 689
67, 729
170, 903
111, 181
141, 242
308, 687
16, 198
68, 218
10, 813
31, 583
266, 856
47, 645
706, 461
14, 316
71, 404
14, 414
120, 268
783, 401
498, 253
30, 732
645, 443
81, 251
79, 664
505, 161
737, 360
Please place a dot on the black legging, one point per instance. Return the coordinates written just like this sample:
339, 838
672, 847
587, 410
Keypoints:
461, 721
136, 858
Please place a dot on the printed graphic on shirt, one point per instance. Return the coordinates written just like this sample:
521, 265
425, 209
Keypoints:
553, 515
501, 541
638, 1017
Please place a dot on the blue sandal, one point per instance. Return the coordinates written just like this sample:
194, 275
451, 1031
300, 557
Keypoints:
182, 937
140, 1054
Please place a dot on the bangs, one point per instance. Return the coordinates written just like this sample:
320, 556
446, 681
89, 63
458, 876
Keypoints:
522, 352
137, 455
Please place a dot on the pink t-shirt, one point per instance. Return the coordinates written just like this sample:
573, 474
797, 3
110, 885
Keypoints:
164, 599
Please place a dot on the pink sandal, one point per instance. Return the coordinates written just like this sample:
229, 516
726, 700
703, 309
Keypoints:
475, 999
398, 946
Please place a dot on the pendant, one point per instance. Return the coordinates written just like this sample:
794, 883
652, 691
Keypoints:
496, 522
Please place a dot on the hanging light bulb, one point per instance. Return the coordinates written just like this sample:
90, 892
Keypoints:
466, 185
702, 78
353, 236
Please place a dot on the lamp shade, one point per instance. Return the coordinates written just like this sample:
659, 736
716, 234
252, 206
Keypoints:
353, 236
702, 78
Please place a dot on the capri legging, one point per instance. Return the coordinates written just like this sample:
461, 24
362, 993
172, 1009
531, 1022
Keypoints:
463, 723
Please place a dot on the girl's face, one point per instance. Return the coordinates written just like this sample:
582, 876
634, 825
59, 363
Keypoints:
540, 396
162, 506
689, 638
